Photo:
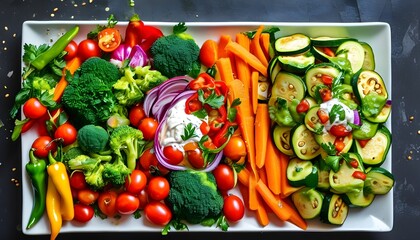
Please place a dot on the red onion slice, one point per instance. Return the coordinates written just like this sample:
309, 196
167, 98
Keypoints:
357, 120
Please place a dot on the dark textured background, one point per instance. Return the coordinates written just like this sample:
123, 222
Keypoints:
403, 17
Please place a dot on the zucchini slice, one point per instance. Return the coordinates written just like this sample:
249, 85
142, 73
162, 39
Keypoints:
369, 61
359, 199
327, 138
343, 180
273, 68
297, 63
319, 54
287, 86
354, 52
313, 76
312, 121
334, 210
308, 202
292, 44
325, 41
382, 116
368, 81
379, 181
376, 149
366, 131
302, 173
304, 144
281, 138
323, 174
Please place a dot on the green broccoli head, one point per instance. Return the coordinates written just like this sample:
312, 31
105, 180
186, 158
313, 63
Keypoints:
125, 141
107, 72
147, 79
72, 153
175, 56
83, 162
126, 89
116, 172
92, 138
95, 177
193, 196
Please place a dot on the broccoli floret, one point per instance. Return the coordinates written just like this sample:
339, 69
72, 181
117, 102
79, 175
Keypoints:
126, 89
193, 196
147, 79
72, 153
83, 162
116, 172
88, 98
175, 55
126, 141
280, 113
92, 138
95, 177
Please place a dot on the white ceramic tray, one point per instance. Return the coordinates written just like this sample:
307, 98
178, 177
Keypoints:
377, 217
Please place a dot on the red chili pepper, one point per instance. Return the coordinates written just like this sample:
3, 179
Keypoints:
325, 94
192, 104
363, 142
204, 80
303, 106
222, 136
215, 126
323, 116
359, 175
132, 32
354, 163
339, 144
222, 88
326, 79
148, 35
328, 51
28, 125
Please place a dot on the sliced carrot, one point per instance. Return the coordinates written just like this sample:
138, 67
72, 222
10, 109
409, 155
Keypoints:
295, 217
248, 57
255, 47
286, 189
265, 44
242, 68
253, 197
262, 216
254, 90
224, 67
262, 128
209, 53
272, 167
277, 205
243, 177
262, 174
71, 66
223, 41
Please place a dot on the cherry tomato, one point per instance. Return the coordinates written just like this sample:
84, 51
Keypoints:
158, 213
303, 106
77, 180
83, 213
144, 199
136, 114
233, 208
225, 177
88, 48
87, 196
136, 182
107, 202
148, 126
33, 108
339, 130
235, 149
42, 145
173, 155
127, 203
150, 164
67, 132
195, 158
158, 188
71, 50
323, 116
109, 39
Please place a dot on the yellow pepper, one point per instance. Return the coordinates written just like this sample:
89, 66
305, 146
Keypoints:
53, 205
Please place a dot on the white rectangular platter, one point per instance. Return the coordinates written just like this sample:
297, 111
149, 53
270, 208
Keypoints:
378, 217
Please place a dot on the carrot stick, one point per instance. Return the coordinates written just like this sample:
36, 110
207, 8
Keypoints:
71, 66
272, 167
223, 41
209, 53
248, 57
286, 189
262, 127
242, 68
295, 217
262, 216
265, 44
254, 90
277, 205
256, 47
224, 68
262, 174
243, 177
253, 197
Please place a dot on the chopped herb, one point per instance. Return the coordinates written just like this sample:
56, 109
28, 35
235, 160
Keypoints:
213, 100
112, 21
201, 114
329, 148
189, 132
232, 111
337, 111
180, 28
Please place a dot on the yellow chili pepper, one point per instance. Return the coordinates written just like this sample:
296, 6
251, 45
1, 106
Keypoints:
53, 205
58, 173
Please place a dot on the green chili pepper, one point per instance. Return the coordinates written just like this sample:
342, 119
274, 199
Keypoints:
43, 59
37, 170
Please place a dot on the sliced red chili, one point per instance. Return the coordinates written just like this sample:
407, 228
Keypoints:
192, 104
303, 106
363, 142
203, 81
354, 164
323, 116
328, 51
325, 94
359, 175
326, 79
222, 136
339, 144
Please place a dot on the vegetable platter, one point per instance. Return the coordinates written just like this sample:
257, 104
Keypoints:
378, 216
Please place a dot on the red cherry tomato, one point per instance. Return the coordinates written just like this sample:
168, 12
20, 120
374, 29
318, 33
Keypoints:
225, 177
43, 145
339, 131
71, 50
77, 180
235, 149
136, 182
88, 48
150, 165
107, 202
83, 213
144, 199
127, 203
33, 108
158, 213
174, 156
303, 106
158, 188
233, 208
109, 39
67, 132
148, 126
136, 114
195, 158
87, 196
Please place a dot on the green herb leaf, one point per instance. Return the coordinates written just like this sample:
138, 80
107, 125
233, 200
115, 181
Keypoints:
337, 111
201, 114
232, 111
329, 148
180, 28
189, 132
222, 223
213, 100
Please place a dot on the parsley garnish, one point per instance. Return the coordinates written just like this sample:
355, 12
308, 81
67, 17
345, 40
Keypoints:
337, 111
189, 132
180, 28
329, 148
112, 21
213, 100
232, 111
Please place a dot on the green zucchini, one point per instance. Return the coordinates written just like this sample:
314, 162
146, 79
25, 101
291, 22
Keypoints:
366, 131
327, 138
273, 68
343, 181
302, 173
281, 138
325, 41
304, 144
312, 121
354, 52
367, 81
382, 116
334, 210
308, 202
287, 86
323, 174
292, 44
376, 149
378, 181
313, 76
319, 54
369, 61
359, 199
297, 64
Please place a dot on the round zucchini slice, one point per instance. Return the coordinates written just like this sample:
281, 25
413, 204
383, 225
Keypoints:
292, 44
312, 121
304, 144
319, 54
334, 210
327, 138
273, 68
308, 202
359, 199
287, 86
281, 138
378, 181
343, 181
368, 81
297, 63
369, 61
302, 173
325, 41
382, 116
323, 174
376, 149
354, 52
313, 76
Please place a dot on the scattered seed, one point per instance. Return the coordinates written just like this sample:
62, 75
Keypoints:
6, 28
411, 118
107, 9
409, 158
55, 9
